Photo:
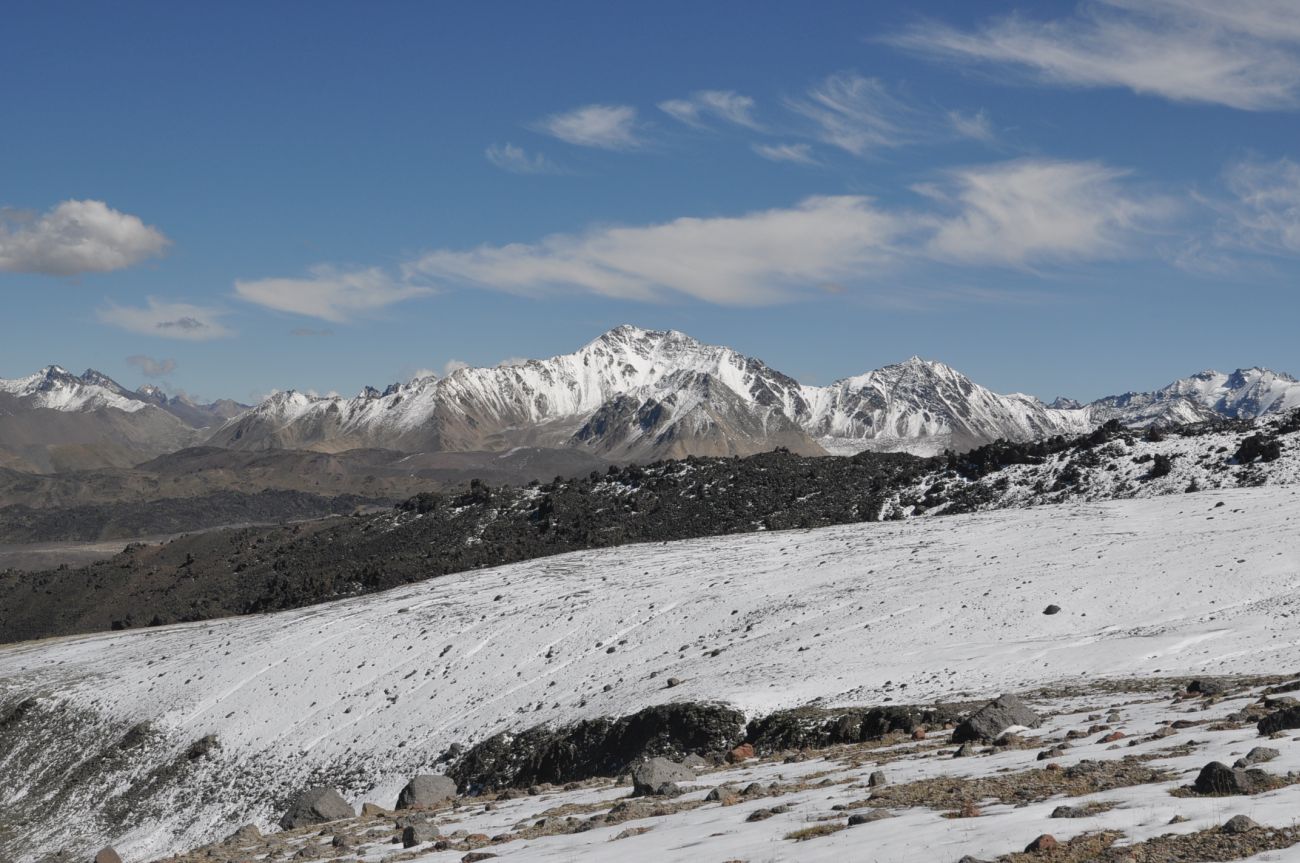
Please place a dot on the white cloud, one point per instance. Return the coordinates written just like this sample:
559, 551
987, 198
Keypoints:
609, 127
512, 361
1263, 212
1036, 210
799, 153
168, 319
725, 105
453, 365
75, 237
150, 367
856, 114
760, 257
975, 126
329, 293
1244, 54
516, 160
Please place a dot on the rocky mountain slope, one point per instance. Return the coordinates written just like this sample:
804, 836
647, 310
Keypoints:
640, 395
54, 420
260, 569
160, 739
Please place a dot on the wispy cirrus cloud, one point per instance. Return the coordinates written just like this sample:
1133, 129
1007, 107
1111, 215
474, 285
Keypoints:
329, 293
607, 127
856, 114
75, 237
517, 160
1261, 209
702, 105
976, 126
1242, 55
801, 154
1032, 211
169, 320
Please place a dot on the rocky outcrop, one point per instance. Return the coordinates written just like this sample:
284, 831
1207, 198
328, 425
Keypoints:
987, 723
316, 806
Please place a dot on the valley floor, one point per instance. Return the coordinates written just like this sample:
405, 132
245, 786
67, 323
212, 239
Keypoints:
363, 693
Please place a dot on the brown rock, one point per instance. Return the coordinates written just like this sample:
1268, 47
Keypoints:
372, 810
743, 752
107, 855
1112, 737
918, 734
1046, 842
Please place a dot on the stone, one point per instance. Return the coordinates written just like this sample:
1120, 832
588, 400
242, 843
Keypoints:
1052, 609
1218, 778
743, 752
427, 790
992, 719
372, 810
1239, 824
418, 834
724, 795
1207, 686
1113, 737
1258, 755
868, 817
1068, 812
247, 833
1282, 720
966, 750
918, 734
877, 779
696, 761
316, 806
107, 855
654, 773
476, 856
1046, 842
673, 681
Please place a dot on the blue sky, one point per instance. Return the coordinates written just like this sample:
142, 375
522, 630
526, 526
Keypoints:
1056, 198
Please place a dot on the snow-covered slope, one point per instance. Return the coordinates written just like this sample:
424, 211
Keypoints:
1243, 394
363, 693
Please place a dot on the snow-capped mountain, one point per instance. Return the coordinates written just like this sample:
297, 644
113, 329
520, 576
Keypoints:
54, 420
1243, 394
638, 394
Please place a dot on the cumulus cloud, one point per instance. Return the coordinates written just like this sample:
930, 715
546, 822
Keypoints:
1037, 210
1243, 55
168, 319
726, 105
799, 153
150, 367
856, 114
329, 293
759, 257
75, 237
608, 127
516, 160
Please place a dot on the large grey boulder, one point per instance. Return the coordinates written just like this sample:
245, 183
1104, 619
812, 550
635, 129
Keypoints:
427, 790
1218, 778
995, 717
653, 774
316, 806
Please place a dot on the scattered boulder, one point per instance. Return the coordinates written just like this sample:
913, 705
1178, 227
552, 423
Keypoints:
877, 779
316, 806
1046, 842
1239, 824
1283, 720
723, 794
650, 777
372, 810
966, 750
673, 682
1068, 812
1258, 755
427, 789
1207, 686
247, 833
477, 856
1052, 609
1218, 778
107, 855
995, 717
743, 752
418, 834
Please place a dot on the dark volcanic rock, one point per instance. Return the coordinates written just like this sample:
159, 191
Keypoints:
426, 790
598, 747
316, 806
1218, 778
1281, 720
816, 728
995, 717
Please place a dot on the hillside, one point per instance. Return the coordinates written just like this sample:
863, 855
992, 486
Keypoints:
363, 693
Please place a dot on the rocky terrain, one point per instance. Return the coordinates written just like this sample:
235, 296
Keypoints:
160, 740
260, 569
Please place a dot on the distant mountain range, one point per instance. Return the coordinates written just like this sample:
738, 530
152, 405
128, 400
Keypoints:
630, 395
